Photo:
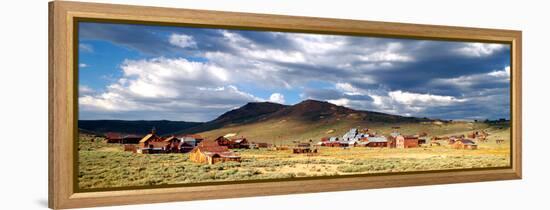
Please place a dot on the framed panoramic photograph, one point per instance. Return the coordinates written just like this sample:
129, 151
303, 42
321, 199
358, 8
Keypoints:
157, 104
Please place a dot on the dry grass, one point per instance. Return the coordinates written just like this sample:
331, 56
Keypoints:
104, 165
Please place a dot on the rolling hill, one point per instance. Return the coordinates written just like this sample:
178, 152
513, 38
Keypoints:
140, 127
310, 119
264, 122
249, 113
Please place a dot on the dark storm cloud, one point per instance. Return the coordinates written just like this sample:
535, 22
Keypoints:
443, 79
332, 94
447, 67
131, 36
152, 40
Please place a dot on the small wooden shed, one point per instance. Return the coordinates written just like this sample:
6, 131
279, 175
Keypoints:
464, 144
210, 152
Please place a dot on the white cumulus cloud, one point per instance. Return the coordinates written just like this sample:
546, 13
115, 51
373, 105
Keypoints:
182, 40
85, 90
340, 102
479, 49
170, 86
277, 98
409, 98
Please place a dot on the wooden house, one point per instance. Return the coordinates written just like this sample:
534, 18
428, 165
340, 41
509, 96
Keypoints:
301, 150
210, 152
406, 141
171, 144
478, 134
130, 139
377, 144
374, 141
118, 138
185, 147
464, 144
263, 145
453, 139
113, 138
239, 143
440, 138
191, 139
223, 141
152, 143
235, 143
148, 139
392, 142
392, 139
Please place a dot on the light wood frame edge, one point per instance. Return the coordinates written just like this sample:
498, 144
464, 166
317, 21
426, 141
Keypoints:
60, 147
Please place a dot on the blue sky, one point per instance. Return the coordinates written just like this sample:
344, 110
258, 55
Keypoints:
140, 72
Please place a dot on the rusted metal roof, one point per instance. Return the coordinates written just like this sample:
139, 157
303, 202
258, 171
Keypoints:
377, 139
211, 146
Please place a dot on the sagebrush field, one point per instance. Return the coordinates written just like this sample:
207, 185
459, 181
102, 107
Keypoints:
103, 165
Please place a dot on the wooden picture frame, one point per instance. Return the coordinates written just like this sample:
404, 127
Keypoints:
62, 100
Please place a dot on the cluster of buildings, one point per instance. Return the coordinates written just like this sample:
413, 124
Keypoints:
153, 143
363, 138
200, 150
218, 150
460, 141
